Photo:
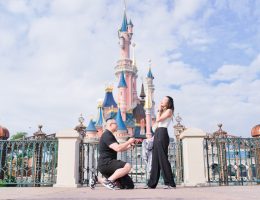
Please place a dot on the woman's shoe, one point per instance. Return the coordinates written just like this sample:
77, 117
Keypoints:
168, 187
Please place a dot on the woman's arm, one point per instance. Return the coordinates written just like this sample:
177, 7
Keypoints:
162, 116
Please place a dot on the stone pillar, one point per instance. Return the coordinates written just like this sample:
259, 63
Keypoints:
193, 157
68, 158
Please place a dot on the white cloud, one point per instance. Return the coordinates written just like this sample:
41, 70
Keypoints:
184, 9
56, 61
17, 6
234, 72
229, 72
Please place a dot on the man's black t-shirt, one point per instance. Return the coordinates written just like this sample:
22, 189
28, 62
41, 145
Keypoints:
105, 153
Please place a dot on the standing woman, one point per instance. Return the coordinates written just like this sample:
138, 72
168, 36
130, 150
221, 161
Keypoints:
160, 146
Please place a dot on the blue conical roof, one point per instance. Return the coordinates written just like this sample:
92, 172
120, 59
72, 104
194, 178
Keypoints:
109, 100
100, 118
124, 24
130, 23
149, 74
122, 82
120, 122
91, 126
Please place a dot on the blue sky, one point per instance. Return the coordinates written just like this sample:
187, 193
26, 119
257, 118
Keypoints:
57, 56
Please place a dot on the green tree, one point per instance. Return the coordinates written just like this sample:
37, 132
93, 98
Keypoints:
18, 136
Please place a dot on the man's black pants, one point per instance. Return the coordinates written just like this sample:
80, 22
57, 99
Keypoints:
108, 169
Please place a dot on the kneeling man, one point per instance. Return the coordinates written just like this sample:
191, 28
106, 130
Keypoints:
115, 171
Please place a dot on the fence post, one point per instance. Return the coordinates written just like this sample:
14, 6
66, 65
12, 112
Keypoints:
193, 157
68, 158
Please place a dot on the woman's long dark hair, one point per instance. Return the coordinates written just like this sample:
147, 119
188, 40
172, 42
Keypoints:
170, 104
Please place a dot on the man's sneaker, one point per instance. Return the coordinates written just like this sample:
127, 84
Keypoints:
109, 184
93, 181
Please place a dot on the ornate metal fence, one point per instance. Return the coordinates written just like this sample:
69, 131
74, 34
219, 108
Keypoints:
232, 160
89, 156
28, 162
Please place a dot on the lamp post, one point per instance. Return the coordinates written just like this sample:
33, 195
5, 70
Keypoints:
221, 135
81, 129
178, 129
39, 135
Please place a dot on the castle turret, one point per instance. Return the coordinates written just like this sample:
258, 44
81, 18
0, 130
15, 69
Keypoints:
109, 101
125, 36
125, 64
148, 108
122, 95
100, 119
121, 133
91, 133
150, 89
130, 28
142, 95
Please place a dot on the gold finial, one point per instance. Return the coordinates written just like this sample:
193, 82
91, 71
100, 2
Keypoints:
100, 103
91, 117
109, 88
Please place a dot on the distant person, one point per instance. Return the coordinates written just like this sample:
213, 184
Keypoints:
115, 171
160, 146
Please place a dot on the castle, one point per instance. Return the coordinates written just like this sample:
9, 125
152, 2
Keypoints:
134, 115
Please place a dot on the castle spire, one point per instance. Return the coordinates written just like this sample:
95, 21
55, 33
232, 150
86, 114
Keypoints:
150, 92
100, 118
120, 122
124, 23
122, 82
91, 126
142, 94
125, 64
149, 74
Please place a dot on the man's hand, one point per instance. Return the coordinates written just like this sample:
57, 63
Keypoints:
131, 140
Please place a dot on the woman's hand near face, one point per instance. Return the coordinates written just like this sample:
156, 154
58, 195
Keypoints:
164, 115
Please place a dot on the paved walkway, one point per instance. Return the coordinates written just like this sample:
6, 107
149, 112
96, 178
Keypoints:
181, 193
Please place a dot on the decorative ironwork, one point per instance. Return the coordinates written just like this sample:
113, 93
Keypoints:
89, 156
232, 160
81, 129
28, 162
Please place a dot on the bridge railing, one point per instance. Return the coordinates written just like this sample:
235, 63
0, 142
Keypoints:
232, 161
139, 173
29, 162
